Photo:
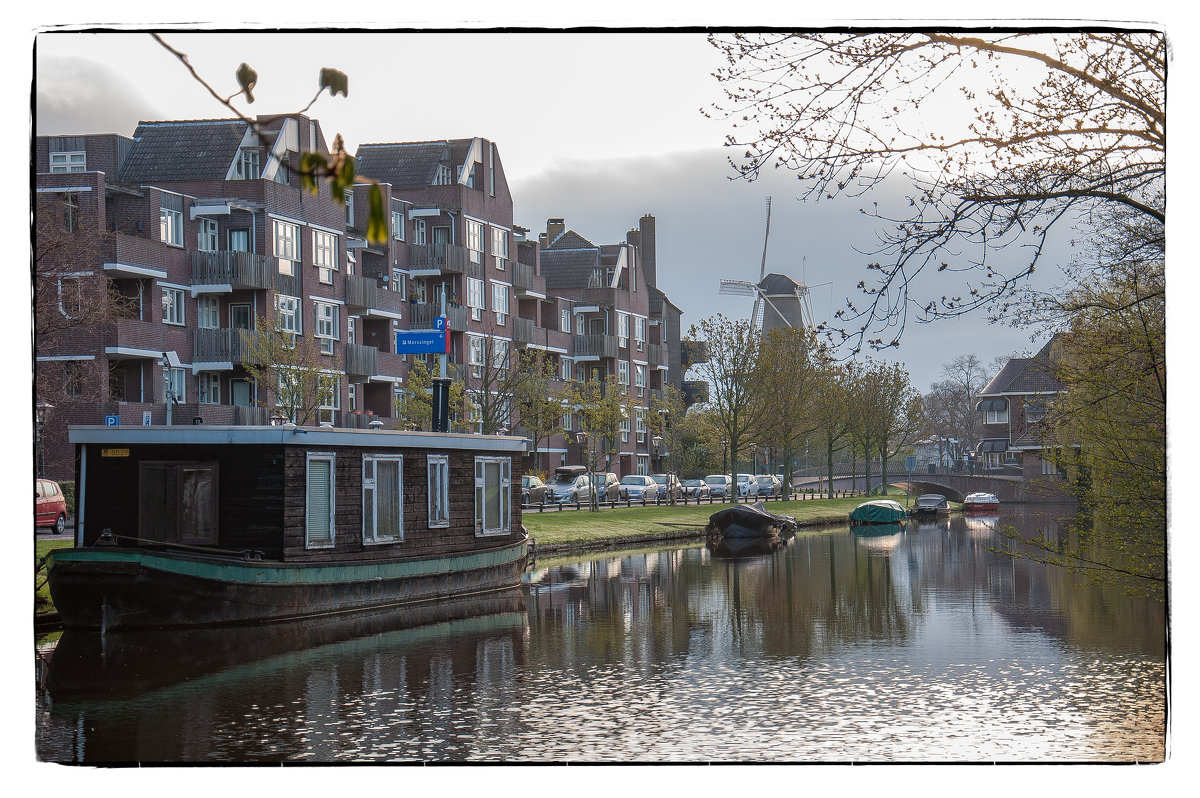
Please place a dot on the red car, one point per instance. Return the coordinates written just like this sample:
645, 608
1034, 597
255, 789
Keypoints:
51, 506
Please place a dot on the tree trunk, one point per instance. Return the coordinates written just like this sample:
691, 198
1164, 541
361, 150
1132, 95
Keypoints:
867, 468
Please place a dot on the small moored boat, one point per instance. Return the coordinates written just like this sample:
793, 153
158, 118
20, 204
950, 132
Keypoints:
981, 502
931, 504
878, 511
750, 521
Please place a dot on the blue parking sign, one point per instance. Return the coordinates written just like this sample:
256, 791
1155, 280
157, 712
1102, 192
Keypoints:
112, 420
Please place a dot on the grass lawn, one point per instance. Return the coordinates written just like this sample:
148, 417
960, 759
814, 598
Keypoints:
555, 528
44, 547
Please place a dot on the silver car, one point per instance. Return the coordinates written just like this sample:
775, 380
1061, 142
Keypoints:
637, 487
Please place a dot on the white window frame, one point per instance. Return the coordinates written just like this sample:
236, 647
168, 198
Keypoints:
500, 302
639, 378
567, 366
996, 416
476, 352
564, 319
639, 332
177, 383
475, 298
640, 420
287, 314
209, 388
319, 542
504, 499
443, 176
501, 349
348, 196
206, 234
475, 240
438, 466
643, 465
329, 386
623, 330
208, 313
500, 247
71, 286
170, 226
286, 245
325, 255
398, 225
326, 323
623, 375
247, 165
61, 162
370, 511
174, 311
624, 426
420, 234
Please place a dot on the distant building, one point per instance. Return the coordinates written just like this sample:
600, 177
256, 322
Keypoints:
1013, 405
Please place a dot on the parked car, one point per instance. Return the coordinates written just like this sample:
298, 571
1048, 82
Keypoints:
696, 488
746, 485
50, 506
669, 484
719, 485
533, 490
638, 486
607, 485
570, 484
769, 485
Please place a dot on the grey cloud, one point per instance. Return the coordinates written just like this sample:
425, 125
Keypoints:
76, 95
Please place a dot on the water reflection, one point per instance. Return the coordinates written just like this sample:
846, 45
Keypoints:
913, 644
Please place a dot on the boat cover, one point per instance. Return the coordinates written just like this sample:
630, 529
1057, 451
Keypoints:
879, 511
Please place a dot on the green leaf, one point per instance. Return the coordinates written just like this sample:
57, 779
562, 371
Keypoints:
337, 82
247, 78
377, 223
311, 165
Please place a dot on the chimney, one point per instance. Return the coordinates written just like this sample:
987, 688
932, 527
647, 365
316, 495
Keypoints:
554, 228
647, 250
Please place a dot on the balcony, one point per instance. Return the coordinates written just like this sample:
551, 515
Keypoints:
522, 277
365, 298
656, 355
220, 346
217, 272
423, 317
134, 338
595, 347
522, 331
361, 362
426, 260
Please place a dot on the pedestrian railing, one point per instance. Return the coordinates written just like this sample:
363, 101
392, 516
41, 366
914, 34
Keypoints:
553, 506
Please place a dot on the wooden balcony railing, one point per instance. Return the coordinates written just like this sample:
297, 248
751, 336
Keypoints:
445, 258
361, 292
596, 346
522, 277
223, 345
237, 269
422, 317
361, 361
522, 331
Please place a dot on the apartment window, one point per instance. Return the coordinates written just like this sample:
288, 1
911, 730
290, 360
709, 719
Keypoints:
349, 197
326, 327
500, 353
206, 235
319, 500
70, 296
997, 416
170, 219
177, 384
210, 388
239, 240
419, 236
329, 396
383, 498
566, 422
443, 176
500, 302
493, 501
639, 379
172, 302
398, 225
439, 489
71, 213
287, 246
208, 313
475, 354
351, 330
246, 167
287, 314
240, 317
640, 417
352, 397
399, 282
475, 298
500, 246
68, 162
475, 240
325, 255
639, 332
623, 330
623, 375
643, 465
564, 320
567, 364
624, 430
1034, 412
177, 502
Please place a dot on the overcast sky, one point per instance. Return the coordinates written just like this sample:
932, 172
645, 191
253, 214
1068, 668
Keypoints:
597, 128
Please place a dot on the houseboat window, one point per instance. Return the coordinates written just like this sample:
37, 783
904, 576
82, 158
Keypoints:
318, 501
383, 502
439, 490
492, 495
177, 502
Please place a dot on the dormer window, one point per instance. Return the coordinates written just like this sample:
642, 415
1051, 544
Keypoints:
68, 162
443, 176
247, 165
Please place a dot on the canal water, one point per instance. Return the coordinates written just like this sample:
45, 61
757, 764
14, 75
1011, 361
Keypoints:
922, 645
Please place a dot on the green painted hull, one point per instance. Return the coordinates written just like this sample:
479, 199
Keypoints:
111, 588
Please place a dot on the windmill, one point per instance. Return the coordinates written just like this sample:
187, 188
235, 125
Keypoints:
779, 301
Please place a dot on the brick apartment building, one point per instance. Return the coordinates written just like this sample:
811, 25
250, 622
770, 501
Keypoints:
200, 229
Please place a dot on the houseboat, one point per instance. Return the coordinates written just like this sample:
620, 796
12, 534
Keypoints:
214, 525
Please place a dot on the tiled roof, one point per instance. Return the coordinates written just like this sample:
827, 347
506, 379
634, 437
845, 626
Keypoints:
569, 239
569, 268
182, 151
1026, 375
406, 166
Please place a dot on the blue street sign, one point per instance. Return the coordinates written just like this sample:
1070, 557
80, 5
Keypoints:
112, 421
439, 323
420, 342
910, 463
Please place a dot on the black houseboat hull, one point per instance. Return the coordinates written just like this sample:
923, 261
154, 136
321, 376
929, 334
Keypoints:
113, 588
